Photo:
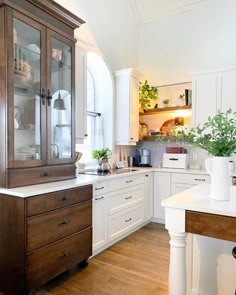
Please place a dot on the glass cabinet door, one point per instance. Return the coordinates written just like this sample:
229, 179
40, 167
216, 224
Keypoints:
60, 102
26, 144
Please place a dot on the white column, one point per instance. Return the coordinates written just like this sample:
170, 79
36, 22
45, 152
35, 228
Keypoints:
177, 269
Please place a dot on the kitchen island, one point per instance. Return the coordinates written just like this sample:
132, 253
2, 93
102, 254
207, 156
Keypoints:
192, 211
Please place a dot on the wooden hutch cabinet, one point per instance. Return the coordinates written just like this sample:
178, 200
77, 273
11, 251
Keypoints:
37, 89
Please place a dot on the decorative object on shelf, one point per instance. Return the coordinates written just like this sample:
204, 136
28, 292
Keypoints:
102, 156
179, 101
58, 56
146, 94
179, 121
33, 52
18, 118
218, 137
166, 102
59, 103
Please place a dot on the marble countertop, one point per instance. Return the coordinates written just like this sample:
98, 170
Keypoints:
198, 199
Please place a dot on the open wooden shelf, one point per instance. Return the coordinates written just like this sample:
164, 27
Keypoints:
168, 109
154, 137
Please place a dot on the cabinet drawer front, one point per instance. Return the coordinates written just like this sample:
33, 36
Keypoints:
50, 261
124, 182
121, 223
190, 178
125, 199
100, 188
51, 201
28, 176
50, 227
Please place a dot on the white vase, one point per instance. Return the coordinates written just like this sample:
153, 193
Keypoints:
218, 168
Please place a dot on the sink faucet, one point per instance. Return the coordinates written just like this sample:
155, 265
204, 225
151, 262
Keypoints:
55, 153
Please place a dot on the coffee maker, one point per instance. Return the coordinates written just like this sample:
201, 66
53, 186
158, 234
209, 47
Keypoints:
143, 158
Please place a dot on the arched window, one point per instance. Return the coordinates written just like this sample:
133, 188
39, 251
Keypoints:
100, 113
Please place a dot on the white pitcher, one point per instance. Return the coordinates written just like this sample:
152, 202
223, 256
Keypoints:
218, 168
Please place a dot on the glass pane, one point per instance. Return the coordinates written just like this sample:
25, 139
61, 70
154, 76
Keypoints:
61, 101
27, 57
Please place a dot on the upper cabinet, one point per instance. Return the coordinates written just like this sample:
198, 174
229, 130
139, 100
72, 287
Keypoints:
212, 91
37, 66
127, 106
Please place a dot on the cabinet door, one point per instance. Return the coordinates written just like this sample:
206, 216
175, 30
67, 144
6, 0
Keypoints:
148, 196
161, 192
204, 95
26, 86
99, 222
134, 94
60, 99
177, 188
227, 90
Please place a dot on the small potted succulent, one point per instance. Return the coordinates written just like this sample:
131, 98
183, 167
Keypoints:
102, 157
146, 94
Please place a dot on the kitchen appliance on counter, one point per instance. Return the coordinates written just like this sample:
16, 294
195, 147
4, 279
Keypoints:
143, 158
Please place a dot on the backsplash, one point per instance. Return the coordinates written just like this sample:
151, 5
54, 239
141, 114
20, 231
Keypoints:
197, 156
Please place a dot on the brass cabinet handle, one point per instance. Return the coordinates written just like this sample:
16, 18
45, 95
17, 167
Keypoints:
127, 220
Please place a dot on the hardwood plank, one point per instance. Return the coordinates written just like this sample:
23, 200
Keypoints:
211, 225
136, 265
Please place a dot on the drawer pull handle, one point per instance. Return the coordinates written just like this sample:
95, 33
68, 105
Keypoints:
66, 254
147, 175
173, 159
129, 181
99, 188
127, 198
127, 220
200, 179
64, 199
64, 222
96, 199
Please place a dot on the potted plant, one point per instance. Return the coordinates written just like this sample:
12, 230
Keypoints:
218, 137
102, 157
166, 102
146, 94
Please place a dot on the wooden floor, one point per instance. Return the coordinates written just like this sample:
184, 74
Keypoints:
137, 265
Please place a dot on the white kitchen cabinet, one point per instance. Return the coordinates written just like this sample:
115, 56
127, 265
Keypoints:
81, 94
162, 191
127, 106
227, 90
204, 98
212, 91
99, 221
148, 196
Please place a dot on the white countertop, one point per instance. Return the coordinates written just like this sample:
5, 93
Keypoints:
83, 179
198, 199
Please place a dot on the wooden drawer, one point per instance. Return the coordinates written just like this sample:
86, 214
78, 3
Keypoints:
51, 201
125, 198
190, 178
100, 188
37, 175
48, 262
124, 182
123, 221
50, 227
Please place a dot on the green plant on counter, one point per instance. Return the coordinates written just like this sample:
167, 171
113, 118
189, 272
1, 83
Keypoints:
146, 94
101, 154
217, 135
